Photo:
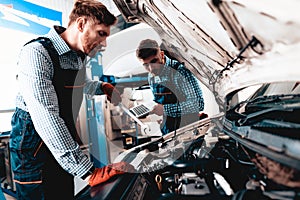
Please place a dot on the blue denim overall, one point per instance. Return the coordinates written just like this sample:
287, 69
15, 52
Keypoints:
36, 173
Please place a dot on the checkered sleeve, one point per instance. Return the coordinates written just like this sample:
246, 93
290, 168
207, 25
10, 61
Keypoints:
92, 87
188, 86
35, 82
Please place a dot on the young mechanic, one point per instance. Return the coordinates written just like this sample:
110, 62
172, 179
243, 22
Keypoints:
176, 90
44, 147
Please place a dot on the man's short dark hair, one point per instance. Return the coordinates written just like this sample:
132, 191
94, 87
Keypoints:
92, 9
147, 48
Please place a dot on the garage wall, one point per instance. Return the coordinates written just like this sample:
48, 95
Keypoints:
64, 6
16, 29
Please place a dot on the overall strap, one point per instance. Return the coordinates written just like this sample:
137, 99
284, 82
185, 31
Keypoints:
176, 65
47, 44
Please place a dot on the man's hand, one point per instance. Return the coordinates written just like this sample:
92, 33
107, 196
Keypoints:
158, 109
101, 175
113, 94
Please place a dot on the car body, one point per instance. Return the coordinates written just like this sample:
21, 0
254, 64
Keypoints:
247, 54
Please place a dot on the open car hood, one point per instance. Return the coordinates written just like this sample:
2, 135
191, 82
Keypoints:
232, 46
227, 44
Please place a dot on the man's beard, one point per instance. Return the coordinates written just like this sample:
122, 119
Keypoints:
157, 71
95, 50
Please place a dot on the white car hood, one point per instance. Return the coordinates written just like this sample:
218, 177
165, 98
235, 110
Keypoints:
208, 36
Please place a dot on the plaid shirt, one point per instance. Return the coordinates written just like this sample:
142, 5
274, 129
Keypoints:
38, 97
186, 84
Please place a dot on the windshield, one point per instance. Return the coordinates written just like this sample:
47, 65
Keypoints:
282, 88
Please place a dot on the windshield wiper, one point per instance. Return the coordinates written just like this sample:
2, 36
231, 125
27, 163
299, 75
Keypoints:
266, 99
271, 98
286, 107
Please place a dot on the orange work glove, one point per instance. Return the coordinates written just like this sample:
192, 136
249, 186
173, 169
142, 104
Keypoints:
101, 175
113, 94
